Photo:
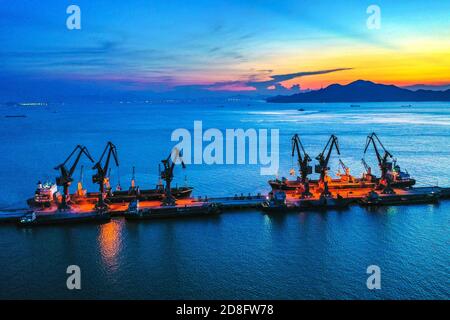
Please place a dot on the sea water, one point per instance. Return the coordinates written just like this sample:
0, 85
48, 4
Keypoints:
240, 254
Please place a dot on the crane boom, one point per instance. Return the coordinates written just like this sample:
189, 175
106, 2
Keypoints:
343, 166
382, 160
65, 178
304, 168
322, 167
66, 174
102, 170
167, 174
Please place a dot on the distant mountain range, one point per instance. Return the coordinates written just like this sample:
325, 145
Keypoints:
363, 91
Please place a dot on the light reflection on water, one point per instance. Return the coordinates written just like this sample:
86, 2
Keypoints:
110, 243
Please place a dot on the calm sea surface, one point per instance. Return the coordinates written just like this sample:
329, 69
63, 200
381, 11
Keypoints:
239, 254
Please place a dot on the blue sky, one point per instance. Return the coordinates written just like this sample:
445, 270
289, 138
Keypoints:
141, 47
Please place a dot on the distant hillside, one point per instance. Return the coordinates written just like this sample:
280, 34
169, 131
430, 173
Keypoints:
363, 91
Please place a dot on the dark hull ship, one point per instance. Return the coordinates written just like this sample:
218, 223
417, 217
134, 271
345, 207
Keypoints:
33, 219
134, 212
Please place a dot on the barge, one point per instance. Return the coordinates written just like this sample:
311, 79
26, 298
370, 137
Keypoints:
135, 212
277, 203
36, 219
376, 199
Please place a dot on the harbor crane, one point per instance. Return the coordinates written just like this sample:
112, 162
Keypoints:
368, 176
102, 171
346, 176
322, 167
65, 179
133, 188
343, 166
167, 175
383, 161
303, 161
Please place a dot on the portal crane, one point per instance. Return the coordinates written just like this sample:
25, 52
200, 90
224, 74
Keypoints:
102, 171
322, 167
366, 166
343, 166
383, 161
368, 176
65, 179
303, 161
167, 175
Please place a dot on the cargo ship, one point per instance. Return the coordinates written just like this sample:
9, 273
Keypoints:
47, 195
391, 173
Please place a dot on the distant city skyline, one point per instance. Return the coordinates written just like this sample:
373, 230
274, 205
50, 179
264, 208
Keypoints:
216, 48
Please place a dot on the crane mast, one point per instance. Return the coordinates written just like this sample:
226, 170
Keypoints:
65, 179
102, 171
383, 162
303, 161
167, 175
323, 160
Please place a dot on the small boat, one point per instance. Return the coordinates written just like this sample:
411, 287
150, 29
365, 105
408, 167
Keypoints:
33, 219
134, 212
375, 199
301, 109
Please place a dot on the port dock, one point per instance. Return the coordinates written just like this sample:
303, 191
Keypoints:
51, 205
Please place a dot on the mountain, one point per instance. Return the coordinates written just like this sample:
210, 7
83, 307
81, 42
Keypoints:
363, 91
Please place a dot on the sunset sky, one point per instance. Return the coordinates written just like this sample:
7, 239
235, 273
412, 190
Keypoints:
188, 46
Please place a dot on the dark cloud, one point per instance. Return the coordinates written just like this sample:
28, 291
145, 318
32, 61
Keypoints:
262, 86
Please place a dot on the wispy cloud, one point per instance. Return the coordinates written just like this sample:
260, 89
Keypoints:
278, 78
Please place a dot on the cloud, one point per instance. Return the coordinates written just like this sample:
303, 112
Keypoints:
250, 86
275, 80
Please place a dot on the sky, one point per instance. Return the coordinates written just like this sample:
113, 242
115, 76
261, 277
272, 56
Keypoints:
138, 48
